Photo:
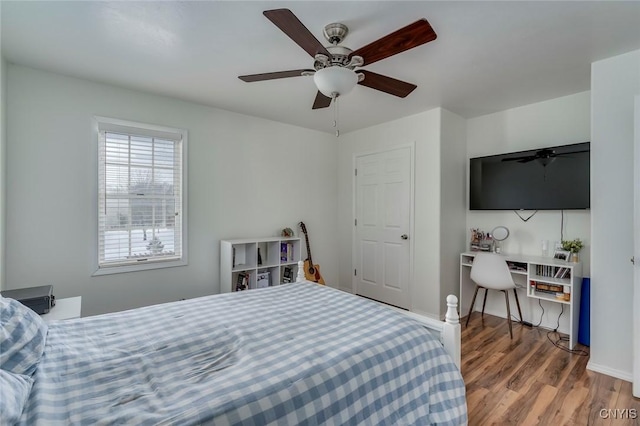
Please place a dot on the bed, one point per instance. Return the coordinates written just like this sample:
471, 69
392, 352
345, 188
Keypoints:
290, 354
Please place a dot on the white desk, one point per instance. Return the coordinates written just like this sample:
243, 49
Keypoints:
68, 308
532, 269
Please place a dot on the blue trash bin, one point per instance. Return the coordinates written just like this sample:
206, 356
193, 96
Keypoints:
584, 329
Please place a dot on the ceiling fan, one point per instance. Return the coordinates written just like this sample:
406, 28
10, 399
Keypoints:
544, 156
334, 66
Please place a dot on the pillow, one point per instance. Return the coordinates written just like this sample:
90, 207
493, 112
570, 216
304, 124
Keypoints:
14, 392
22, 337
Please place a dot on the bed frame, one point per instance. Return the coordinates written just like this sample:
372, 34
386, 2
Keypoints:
448, 330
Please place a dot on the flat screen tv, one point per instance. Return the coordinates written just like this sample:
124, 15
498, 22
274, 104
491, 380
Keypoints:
555, 178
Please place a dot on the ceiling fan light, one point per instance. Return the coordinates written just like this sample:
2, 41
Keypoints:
335, 81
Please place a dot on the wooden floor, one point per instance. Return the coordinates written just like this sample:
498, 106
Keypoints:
528, 381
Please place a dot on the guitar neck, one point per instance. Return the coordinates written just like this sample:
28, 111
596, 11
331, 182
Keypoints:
306, 239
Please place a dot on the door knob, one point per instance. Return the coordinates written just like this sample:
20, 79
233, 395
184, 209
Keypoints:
404, 236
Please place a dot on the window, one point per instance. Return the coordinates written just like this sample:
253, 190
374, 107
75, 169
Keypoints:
141, 196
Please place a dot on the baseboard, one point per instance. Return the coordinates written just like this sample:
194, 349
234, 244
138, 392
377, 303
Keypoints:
428, 315
618, 374
417, 311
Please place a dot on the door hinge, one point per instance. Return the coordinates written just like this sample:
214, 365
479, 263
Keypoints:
356, 172
355, 272
355, 222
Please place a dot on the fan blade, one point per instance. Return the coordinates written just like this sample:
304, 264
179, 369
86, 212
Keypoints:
386, 84
321, 101
291, 26
272, 75
521, 159
543, 154
413, 35
572, 152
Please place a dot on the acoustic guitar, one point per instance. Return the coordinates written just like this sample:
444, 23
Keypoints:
311, 271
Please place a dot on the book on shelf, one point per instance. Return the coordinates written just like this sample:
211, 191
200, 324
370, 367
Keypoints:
287, 274
552, 271
559, 272
547, 288
562, 272
242, 283
286, 252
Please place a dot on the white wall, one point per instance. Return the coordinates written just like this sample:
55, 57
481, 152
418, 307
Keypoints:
424, 130
614, 83
3, 169
453, 203
555, 122
248, 177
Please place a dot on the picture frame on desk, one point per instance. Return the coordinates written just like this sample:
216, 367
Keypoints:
562, 255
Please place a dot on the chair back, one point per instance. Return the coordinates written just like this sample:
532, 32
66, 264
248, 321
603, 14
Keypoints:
491, 271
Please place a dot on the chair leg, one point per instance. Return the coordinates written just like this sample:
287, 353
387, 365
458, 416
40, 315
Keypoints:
473, 302
506, 297
515, 293
484, 302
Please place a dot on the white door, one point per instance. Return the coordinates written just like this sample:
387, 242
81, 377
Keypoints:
383, 226
636, 257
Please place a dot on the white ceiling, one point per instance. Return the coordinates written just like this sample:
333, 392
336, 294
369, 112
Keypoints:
488, 57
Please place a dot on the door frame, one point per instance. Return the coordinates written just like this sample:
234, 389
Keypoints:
354, 199
635, 330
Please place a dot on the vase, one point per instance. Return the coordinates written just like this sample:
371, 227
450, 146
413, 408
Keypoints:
574, 257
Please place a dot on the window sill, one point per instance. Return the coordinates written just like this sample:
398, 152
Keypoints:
139, 267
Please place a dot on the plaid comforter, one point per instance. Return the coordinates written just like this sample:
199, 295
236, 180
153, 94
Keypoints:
285, 355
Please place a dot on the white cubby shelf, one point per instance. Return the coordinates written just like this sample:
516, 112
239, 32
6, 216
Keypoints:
253, 256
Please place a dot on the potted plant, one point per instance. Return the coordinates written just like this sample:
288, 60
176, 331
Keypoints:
574, 246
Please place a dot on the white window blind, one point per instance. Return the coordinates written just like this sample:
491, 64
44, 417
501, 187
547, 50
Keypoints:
140, 177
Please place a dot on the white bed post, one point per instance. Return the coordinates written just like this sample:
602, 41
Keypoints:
451, 330
300, 276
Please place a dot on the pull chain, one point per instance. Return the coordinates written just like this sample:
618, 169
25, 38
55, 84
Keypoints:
335, 114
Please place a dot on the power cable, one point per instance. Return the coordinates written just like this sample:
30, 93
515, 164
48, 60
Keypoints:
565, 339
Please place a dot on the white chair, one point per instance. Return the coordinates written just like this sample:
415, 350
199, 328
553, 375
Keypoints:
491, 272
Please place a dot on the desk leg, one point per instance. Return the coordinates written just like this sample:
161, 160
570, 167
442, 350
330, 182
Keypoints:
515, 293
